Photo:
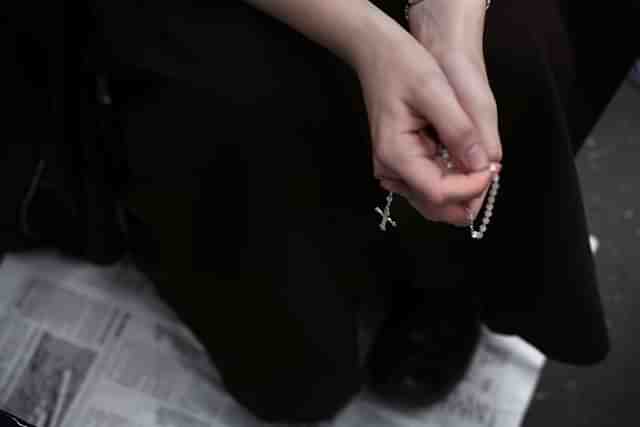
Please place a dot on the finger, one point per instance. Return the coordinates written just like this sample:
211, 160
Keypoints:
381, 171
425, 177
427, 210
428, 137
476, 98
455, 129
475, 205
454, 214
396, 187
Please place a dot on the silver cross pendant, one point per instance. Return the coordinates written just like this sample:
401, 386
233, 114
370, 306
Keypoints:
386, 214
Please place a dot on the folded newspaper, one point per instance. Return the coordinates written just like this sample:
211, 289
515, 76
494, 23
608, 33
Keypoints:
90, 346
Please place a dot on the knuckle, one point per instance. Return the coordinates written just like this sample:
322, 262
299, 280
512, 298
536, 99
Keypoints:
378, 164
495, 153
494, 149
382, 148
426, 210
455, 217
436, 196
384, 155
462, 135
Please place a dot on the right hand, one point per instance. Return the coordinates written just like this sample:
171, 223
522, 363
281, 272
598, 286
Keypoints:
405, 91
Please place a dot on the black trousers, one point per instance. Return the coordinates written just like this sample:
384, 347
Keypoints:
251, 161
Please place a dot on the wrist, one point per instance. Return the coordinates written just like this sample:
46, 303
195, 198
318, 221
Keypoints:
377, 33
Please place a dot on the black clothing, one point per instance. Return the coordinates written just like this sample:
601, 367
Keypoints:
9, 420
249, 160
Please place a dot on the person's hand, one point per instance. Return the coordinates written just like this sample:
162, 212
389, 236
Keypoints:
406, 91
452, 31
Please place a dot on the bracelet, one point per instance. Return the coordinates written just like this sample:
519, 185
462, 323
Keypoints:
410, 3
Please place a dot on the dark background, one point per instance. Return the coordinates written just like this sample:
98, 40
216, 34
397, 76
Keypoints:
607, 394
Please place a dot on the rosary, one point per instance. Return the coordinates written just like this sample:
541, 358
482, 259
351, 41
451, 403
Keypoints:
491, 198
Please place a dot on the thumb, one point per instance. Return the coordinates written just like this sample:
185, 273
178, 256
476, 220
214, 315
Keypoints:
453, 126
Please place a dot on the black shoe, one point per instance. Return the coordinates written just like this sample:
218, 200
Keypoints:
424, 348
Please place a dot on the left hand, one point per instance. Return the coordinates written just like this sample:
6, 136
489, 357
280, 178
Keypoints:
452, 31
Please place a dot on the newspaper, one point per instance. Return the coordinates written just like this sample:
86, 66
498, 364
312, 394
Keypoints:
89, 346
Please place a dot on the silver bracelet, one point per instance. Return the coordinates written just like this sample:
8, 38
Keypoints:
410, 3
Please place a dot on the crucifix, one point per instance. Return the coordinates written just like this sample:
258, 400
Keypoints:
386, 213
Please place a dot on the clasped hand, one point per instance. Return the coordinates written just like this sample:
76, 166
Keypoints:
431, 86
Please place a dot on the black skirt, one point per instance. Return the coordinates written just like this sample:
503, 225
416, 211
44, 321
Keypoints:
240, 115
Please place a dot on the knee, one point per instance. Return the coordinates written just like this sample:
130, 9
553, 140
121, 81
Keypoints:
297, 399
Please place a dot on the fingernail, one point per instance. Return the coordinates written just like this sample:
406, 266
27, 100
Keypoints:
495, 168
476, 158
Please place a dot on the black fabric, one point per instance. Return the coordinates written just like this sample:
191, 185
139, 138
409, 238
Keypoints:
564, 76
250, 162
9, 420
61, 168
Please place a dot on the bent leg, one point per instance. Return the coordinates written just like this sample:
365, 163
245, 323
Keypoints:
263, 276
255, 203
553, 67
